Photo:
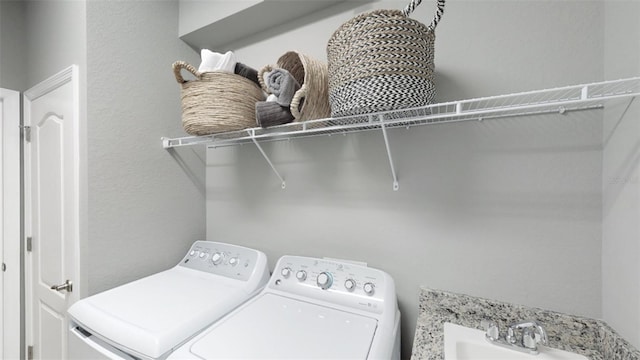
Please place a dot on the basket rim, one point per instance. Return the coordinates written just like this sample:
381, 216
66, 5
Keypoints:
360, 17
217, 74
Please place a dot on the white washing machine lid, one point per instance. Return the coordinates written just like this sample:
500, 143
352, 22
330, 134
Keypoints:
278, 327
135, 316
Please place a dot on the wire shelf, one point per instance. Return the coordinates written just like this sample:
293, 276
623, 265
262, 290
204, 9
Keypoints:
558, 100
551, 101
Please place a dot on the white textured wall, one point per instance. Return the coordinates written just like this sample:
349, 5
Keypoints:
146, 205
505, 209
12, 45
56, 38
621, 177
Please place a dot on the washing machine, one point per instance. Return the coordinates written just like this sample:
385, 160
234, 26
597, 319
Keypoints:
150, 317
311, 309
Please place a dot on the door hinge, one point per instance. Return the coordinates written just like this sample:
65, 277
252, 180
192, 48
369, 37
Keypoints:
30, 352
29, 243
26, 132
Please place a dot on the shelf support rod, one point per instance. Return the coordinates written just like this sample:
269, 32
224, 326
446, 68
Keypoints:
252, 133
386, 143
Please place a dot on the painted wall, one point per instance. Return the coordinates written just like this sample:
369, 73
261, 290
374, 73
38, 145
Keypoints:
505, 209
621, 177
146, 204
12, 45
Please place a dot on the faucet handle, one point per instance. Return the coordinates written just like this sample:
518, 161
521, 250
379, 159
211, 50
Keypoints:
491, 328
540, 335
532, 335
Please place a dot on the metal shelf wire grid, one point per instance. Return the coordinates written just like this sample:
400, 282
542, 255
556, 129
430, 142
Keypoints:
558, 100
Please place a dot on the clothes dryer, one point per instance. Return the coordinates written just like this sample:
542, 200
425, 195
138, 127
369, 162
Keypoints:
150, 317
311, 309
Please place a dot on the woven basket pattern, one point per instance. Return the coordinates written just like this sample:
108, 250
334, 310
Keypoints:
216, 101
378, 61
311, 101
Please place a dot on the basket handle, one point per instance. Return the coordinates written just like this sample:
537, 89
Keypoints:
179, 65
436, 19
265, 69
300, 95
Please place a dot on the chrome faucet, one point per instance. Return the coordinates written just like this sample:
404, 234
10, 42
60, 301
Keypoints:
522, 336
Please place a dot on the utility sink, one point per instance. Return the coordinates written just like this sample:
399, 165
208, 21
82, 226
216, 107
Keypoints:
463, 343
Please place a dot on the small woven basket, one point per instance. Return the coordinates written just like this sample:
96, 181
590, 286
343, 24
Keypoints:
311, 101
382, 60
216, 101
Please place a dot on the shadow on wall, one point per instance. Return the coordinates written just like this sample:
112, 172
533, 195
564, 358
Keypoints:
623, 118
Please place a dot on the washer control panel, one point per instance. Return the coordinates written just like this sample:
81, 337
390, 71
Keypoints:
228, 260
334, 281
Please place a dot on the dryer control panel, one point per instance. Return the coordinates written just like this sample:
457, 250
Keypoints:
236, 262
336, 282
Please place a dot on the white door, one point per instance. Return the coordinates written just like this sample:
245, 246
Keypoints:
52, 168
10, 224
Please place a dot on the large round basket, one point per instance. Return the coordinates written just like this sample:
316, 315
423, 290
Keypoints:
382, 60
311, 101
216, 101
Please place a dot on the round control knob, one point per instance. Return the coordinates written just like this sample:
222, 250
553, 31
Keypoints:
202, 255
233, 261
192, 253
286, 272
301, 275
325, 280
217, 258
350, 284
369, 288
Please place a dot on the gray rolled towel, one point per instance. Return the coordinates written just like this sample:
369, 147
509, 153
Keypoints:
247, 72
269, 113
280, 83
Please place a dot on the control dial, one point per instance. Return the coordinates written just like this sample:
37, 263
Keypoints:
369, 288
286, 272
301, 275
324, 280
233, 261
350, 284
217, 258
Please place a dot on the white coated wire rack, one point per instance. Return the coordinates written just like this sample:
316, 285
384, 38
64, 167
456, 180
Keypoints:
558, 101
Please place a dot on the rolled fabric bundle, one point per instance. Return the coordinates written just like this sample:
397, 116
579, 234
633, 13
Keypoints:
272, 98
213, 61
247, 72
282, 84
270, 113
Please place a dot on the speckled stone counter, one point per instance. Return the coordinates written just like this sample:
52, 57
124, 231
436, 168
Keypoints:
589, 337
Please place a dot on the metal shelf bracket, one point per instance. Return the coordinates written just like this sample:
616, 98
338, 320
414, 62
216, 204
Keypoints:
396, 185
252, 135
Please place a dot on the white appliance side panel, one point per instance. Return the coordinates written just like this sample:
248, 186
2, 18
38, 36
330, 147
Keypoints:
277, 327
152, 315
83, 347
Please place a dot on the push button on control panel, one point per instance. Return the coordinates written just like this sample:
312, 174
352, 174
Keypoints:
233, 261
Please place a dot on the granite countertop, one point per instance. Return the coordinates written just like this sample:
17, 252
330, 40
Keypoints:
589, 337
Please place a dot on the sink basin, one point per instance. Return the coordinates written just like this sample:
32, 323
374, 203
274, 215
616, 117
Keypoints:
463, 343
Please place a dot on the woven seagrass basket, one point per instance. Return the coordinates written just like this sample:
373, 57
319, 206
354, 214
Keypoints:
216, 101
311, 101
382, 60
